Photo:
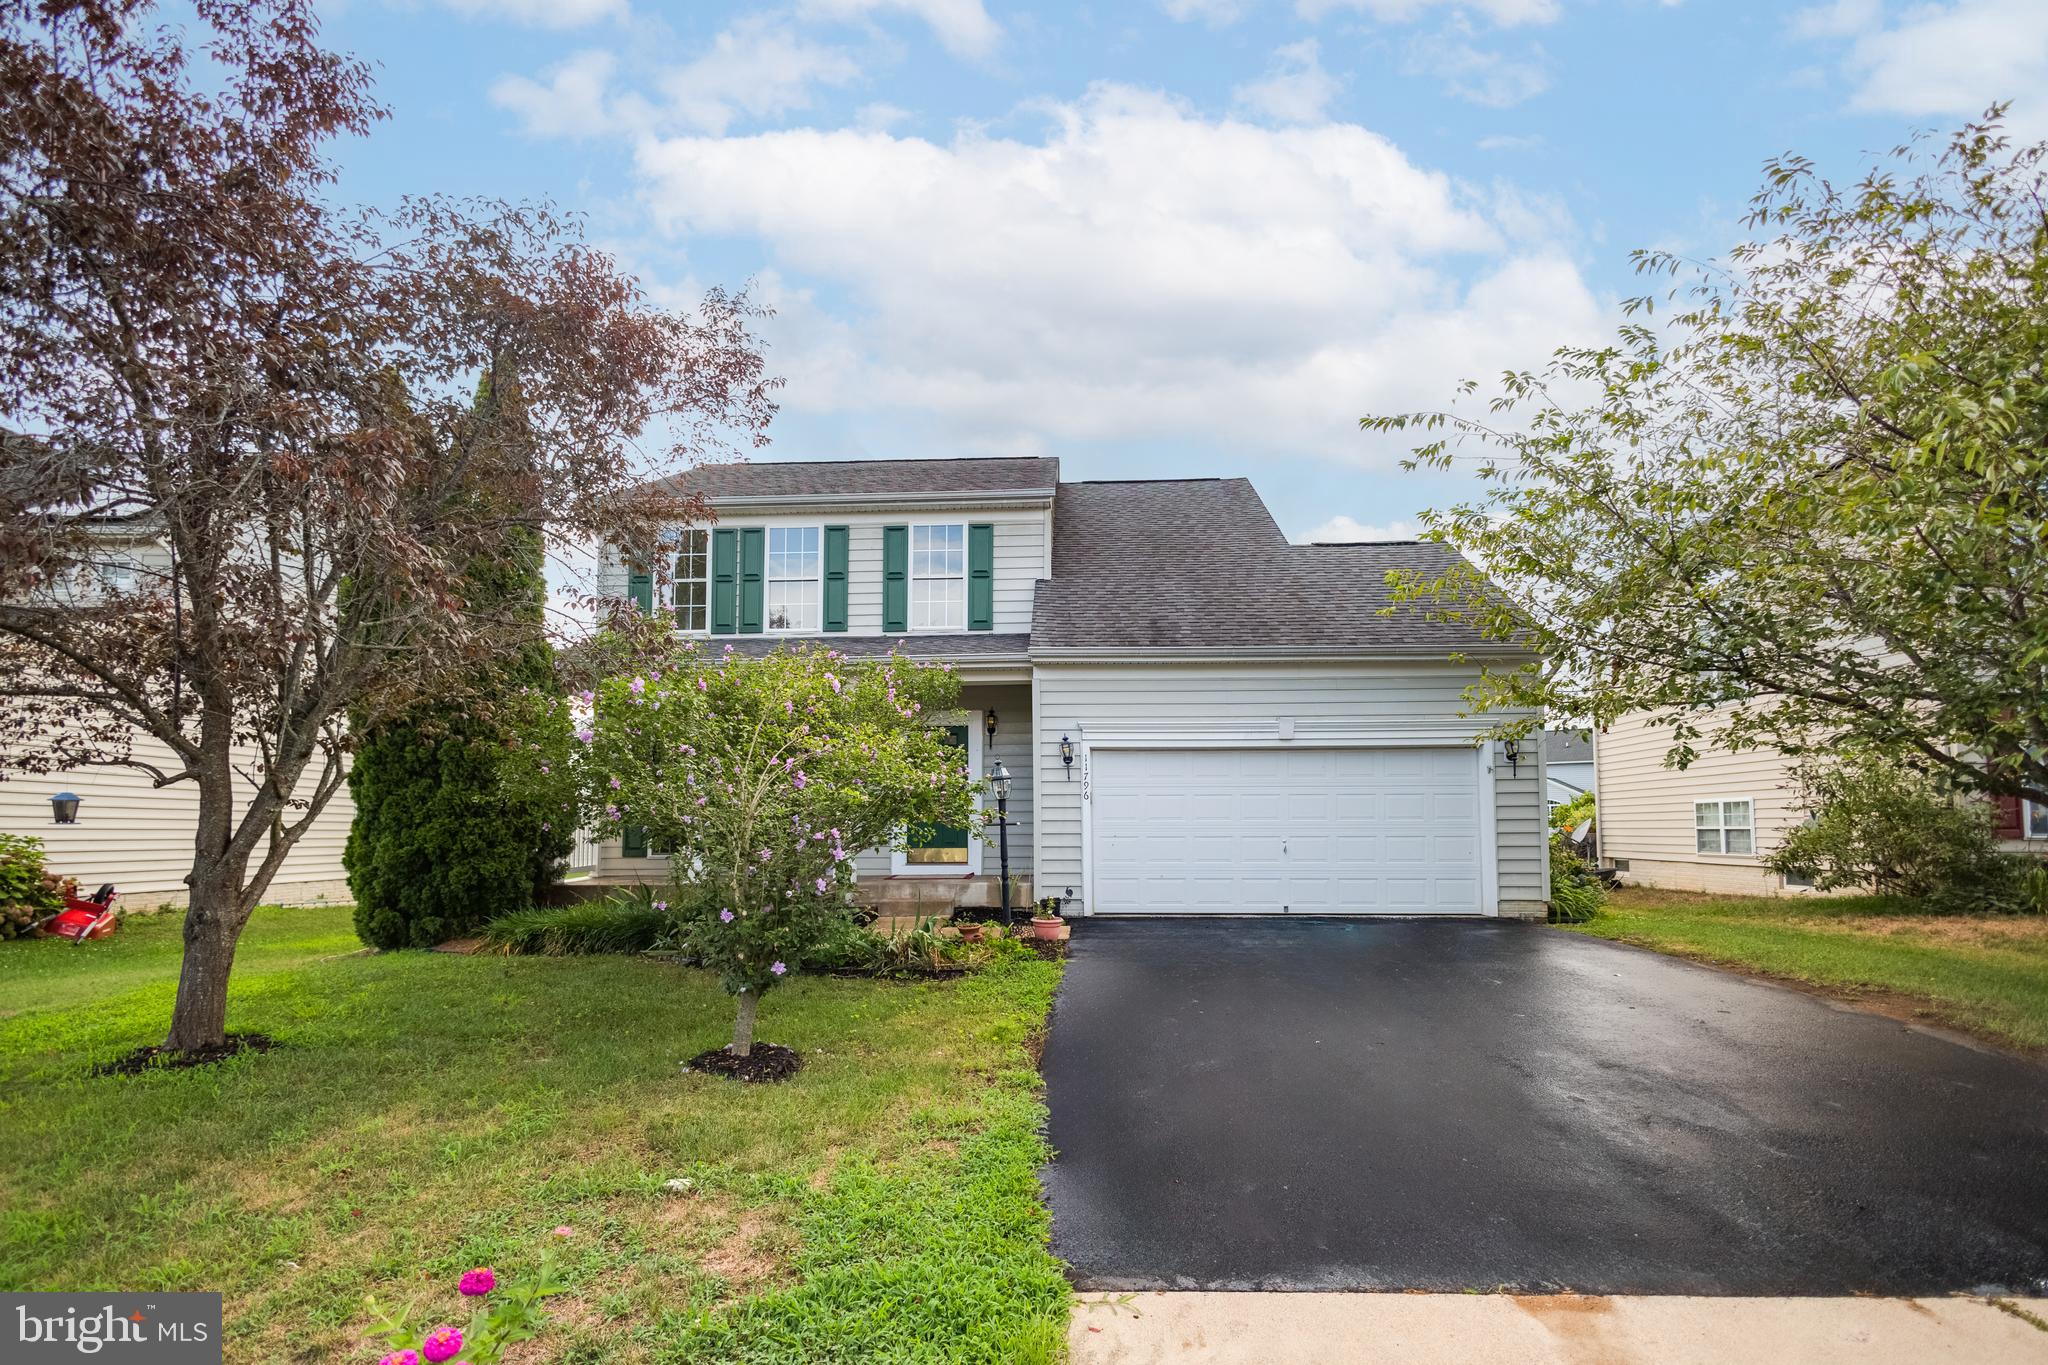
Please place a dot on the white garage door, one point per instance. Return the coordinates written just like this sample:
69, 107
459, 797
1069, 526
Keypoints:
1297, 831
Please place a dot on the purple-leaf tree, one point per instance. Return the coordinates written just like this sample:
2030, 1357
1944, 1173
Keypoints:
200, 355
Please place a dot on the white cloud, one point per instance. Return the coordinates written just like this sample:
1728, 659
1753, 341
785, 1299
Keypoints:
1137, 270
1837, 18
573, 102
1954, 59
1494, 79
963, 27
1348, 530
1295, 88
760, 66
1506, 13
1214, 13
542, 13
1511, 142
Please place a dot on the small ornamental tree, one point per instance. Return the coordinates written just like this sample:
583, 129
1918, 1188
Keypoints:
763, 778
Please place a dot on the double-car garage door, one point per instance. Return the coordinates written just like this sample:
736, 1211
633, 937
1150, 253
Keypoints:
1284, 830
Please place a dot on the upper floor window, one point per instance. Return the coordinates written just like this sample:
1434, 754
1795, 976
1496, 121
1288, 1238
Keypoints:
693, 582
1724, 827
938, 577
795, 578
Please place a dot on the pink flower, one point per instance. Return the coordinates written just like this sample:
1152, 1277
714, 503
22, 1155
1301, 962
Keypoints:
765, 854
725, 916
800, 780
588, 696
639, 686
479, 1282
563, 1229
823, 886
703, 686
778, 969
834, 680
586, 735
615, 784
661, 905
443, 1343
838, 855
405, 1357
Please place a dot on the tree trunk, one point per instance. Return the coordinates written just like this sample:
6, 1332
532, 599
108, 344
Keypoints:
213, 925
743, 1024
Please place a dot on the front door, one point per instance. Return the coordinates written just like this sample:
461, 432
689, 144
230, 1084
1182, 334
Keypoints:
940, 848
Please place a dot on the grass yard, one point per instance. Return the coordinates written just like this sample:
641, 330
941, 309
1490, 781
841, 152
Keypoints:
430, 1112
1986, 974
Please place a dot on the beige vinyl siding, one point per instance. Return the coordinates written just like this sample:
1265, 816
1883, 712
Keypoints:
1646, 808
1021, 539
139, 837
1012, 745
1385, 702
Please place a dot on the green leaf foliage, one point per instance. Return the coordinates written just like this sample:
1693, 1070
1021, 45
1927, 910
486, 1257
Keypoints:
763, 778
1882, 828
1801, 499
440, 846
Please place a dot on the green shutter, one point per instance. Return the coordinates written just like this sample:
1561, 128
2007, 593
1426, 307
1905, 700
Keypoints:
981, 577
895, 578
835, 578
725, 565
753, 553
640, 587
633, 841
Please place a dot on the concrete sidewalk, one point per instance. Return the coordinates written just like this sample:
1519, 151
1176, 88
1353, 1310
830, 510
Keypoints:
1569, 1329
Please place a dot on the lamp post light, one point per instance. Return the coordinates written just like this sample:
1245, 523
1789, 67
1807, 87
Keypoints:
64, 808
999, 778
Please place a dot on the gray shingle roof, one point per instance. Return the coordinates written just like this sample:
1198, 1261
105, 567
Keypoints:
1567, 746
974, 644
1199, 564
1005, 477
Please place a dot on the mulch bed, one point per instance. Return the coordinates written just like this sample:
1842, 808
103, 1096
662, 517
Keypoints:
157, 1057
767, 1062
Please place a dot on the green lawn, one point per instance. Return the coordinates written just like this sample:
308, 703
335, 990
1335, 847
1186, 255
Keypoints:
1987, 974
432, 1112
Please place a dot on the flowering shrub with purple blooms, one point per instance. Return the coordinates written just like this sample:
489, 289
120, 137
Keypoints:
494, 1324
764, 777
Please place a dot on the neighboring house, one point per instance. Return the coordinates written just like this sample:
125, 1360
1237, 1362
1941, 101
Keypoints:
1709, 827
130, 831
1198, 715
1567, 764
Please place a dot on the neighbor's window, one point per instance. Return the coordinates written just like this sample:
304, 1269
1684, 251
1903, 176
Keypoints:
2037, 820
1723, 827
693, 582
795, 585
938, 577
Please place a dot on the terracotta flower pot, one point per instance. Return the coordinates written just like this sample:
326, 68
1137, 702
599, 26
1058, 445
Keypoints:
970, 931
1045, 926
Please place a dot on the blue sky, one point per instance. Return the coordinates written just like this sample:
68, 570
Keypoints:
1166, 237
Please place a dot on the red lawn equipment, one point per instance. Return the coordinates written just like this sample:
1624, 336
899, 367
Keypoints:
80, 920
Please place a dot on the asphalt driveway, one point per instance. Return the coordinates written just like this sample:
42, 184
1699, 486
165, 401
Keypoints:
1328, 1104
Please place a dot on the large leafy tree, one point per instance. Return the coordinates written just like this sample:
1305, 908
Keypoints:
1808, 506
196, 345
763, 777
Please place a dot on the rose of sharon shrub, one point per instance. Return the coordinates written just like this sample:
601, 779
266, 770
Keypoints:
763, 778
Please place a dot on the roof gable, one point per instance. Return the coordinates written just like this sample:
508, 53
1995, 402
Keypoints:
908, 480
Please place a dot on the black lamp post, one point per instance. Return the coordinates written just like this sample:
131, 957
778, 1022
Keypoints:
64, 807
999, 778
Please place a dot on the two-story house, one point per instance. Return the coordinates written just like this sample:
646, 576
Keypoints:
1198, 715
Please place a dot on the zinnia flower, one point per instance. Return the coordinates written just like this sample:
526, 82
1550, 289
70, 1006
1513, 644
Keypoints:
406, 1357
443, 1343
778, 969
564, 1230
479, 1282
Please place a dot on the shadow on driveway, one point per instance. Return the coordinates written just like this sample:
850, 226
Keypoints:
1403, 1104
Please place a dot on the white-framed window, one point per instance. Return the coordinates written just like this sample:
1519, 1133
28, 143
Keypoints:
693, 582
2034, 819
795, 580
938, 577
1724, 826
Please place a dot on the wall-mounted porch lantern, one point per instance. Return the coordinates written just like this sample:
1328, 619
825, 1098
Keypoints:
988, 724
1511, 750
1067, 753
64, 806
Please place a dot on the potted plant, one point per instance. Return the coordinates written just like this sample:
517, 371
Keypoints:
1046, 923
970, 930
